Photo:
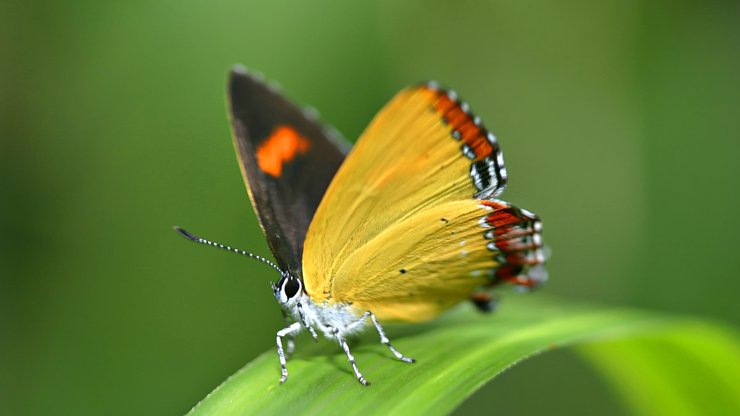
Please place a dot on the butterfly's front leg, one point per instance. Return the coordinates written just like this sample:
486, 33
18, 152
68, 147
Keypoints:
288, 331
302, 315
384, 340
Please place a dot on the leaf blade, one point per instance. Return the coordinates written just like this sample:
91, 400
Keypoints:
695, 369
456, 355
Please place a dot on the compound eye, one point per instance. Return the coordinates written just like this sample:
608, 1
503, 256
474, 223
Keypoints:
291, 287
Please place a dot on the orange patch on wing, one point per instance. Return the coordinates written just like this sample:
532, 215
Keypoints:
283, 145
462, 121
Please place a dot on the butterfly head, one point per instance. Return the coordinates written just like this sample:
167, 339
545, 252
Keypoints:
288, 289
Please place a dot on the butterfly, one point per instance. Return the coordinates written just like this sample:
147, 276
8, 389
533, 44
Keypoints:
401, 228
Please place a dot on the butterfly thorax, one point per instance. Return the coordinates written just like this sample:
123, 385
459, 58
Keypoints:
329, 318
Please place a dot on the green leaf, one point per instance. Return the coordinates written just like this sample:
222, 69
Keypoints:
690, 368
463, 350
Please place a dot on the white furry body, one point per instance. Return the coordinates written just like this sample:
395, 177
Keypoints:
329, 319
334, 320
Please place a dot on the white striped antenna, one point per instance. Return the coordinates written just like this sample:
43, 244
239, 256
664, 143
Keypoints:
195, 238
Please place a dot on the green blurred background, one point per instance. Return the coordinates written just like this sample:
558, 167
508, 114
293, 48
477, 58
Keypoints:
619, 121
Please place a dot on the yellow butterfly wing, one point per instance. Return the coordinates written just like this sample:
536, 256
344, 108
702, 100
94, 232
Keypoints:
407, 227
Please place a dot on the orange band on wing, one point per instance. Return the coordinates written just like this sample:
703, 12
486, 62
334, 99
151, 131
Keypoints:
464, 124
282, 146
487, 171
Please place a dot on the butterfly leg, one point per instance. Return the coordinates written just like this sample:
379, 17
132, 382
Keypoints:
288, 331
384, 340
302, 315
359, 322
291, 339
351, 358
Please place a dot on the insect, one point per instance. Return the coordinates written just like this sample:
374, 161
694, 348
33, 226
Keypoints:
403, 227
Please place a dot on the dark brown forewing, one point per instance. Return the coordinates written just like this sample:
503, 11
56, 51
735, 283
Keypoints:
297, 159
